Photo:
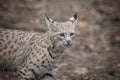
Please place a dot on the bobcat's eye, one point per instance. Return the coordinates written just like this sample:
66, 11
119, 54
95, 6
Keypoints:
62, 35
72, 34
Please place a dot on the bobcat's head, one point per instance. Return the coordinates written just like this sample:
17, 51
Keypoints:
62, 33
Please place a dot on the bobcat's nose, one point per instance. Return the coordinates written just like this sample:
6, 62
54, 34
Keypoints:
68, 43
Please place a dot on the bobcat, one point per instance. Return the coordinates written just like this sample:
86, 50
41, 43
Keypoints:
36, 56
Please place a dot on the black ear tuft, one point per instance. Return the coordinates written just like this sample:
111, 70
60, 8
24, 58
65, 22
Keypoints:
74, 18
48, 19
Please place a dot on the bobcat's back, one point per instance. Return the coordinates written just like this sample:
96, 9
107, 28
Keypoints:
13, 48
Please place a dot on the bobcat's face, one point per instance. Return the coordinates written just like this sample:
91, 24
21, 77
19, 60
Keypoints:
63, 33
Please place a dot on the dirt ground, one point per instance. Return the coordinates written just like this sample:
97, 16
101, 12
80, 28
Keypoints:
95, 54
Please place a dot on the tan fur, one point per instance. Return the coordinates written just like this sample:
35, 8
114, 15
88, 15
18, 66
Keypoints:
35, 56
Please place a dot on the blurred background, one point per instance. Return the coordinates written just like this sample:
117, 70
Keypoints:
95, 54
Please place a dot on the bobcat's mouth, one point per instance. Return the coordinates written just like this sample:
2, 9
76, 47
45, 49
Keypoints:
67, 45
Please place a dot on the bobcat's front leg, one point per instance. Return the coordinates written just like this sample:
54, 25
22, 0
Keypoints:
25, 73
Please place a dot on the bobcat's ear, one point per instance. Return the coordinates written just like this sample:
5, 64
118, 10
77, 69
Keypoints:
74, 19
49, 22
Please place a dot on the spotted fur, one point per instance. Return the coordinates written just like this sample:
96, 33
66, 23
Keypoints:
35, 56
